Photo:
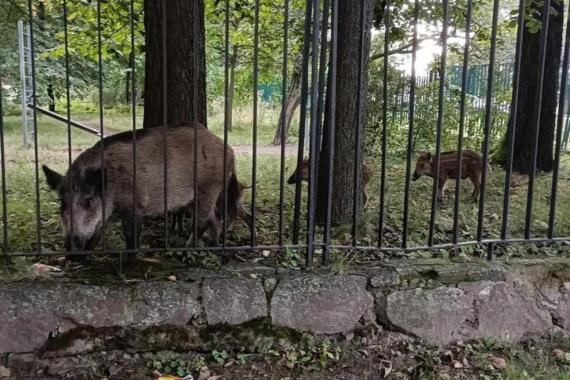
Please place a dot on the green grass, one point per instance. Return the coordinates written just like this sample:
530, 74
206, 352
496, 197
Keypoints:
52, 150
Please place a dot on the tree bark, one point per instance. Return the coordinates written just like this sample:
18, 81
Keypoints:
292, 101
181, 56
347, 121
522, 154
231, 87
128, 87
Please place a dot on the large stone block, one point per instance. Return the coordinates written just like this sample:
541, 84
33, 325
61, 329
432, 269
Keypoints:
509, 311
439, 316
321, 304
29, 312
158, 303
233, 301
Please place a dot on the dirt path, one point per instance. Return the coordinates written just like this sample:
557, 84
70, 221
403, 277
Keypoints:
267, 150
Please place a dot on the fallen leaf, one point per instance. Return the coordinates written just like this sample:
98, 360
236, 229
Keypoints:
386, 368
204, 373
498, 363
266, 253
558, 354
5, 372
172, 278
457, 365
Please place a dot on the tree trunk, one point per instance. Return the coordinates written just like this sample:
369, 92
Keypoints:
128, 87
51, 96
231, 87
182, 18
347, 121
522, 155
292, 101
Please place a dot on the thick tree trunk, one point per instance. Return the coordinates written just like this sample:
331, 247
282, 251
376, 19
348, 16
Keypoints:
522, 157
180, 62
347, 121
292, 101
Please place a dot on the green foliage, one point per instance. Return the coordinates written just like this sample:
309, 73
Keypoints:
169, 363
241, 43
220, 357
291, 258
426, 116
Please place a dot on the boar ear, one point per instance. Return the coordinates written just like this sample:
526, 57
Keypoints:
53, 178
428, 155
243, 186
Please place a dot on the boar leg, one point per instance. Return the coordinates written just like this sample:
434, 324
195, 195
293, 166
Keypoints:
177, 221
440, 189
206, 211
476, 179
245, 216
364, 195
215, 228
129, 224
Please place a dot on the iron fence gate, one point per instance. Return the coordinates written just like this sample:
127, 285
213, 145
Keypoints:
318, 101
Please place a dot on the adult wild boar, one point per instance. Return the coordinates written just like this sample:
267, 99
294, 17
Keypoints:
92, 185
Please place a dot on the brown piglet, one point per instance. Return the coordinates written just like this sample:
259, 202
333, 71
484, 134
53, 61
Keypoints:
471, 167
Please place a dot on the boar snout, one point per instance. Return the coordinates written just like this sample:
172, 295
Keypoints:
292, 179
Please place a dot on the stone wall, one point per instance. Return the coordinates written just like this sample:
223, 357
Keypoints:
438, 301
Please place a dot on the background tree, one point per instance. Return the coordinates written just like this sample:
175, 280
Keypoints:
528, 90
185, 62
241, 28
347, 121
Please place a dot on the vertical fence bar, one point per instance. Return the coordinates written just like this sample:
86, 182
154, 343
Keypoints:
384, 142
331, 125
412, 97
226, 119
559, 128
3, 167
311, 206
254, 121
322, 82
283, 120
34, 103
68, 111
133, 123
488, 116
194, 231
321, 101
101, 121
357, 156
165, 117
537, 114
302, 119
443, 62
462, 119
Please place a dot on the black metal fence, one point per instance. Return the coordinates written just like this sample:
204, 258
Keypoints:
305, 233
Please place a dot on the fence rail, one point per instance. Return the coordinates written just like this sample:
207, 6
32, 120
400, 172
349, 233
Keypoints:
305, 219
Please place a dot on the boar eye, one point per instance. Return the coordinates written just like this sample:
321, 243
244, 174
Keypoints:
87, 202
